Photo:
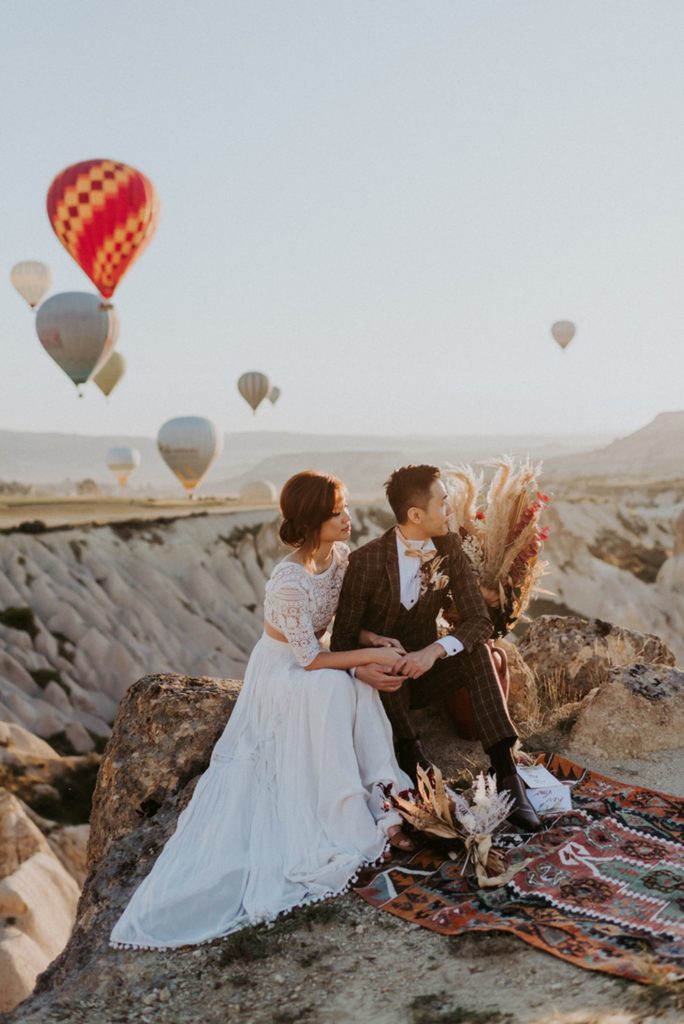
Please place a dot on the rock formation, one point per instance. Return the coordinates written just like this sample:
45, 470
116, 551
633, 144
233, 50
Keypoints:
573, 655
163, 736
608, 555
84, 612
38, 898
638, 709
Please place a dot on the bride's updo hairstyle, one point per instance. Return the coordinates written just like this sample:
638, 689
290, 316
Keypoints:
306, 501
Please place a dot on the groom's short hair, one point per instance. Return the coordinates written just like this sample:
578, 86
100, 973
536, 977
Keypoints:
409, 487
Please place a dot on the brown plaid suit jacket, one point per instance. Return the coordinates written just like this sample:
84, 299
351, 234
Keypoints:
371, 596
371, 599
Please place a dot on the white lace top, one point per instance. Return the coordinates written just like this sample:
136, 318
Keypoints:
300, 604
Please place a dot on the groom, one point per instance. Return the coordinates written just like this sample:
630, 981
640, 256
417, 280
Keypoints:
396, 586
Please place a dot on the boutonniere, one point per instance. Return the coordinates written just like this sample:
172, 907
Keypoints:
432, 575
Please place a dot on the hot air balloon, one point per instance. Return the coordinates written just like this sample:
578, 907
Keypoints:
32, 280
110, 373
104, 214
254, 387
188, 446
563, 332
122, 462
258, 492
78, 330
274, 395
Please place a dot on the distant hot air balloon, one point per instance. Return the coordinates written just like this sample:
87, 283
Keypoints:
32, 280
78, 330
258, 492
188, 446
254, 387
110, 373
104, 214
274, 395
122, 462
563, 332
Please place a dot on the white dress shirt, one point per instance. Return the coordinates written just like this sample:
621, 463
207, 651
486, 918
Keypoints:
409, 581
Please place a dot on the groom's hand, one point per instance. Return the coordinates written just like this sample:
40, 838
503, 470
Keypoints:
380, 677
417, 663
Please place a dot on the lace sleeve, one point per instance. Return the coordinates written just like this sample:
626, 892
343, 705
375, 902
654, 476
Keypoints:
288, 610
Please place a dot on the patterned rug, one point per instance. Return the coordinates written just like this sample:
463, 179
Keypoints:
604, 889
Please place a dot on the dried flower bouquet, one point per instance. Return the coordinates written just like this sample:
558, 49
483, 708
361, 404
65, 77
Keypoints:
501, 536
440, 812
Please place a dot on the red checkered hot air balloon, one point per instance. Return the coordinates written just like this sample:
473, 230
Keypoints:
104, 214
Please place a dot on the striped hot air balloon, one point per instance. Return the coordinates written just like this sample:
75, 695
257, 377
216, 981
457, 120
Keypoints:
189, 445
254, 387
104, 214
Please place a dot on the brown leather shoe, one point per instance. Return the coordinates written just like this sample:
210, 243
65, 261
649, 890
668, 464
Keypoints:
410, 754
523, 815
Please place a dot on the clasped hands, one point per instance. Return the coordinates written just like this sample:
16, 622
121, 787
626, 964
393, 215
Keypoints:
394, 664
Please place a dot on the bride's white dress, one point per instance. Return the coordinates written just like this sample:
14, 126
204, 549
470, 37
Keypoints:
290, 806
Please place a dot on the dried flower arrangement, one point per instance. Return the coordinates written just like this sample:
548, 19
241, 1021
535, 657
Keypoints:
502, 537
440, 812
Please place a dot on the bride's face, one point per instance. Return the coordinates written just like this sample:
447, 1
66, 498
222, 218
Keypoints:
338, 527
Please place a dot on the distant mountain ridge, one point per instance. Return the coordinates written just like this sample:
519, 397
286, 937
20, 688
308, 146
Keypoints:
44, 459
655, 452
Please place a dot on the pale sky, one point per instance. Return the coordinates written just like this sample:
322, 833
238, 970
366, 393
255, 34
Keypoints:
382, 204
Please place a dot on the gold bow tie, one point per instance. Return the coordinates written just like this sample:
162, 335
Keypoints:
424, 554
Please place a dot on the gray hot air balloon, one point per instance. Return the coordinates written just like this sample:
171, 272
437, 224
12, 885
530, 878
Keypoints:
274, 395
254, 387
78, 330
563, 332
188, 446
32, 280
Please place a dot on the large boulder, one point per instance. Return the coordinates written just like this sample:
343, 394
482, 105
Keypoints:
572, 655
38, 900
637, 710
161, 742
162, 738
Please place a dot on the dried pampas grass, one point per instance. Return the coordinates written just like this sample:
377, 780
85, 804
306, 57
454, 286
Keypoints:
501, 535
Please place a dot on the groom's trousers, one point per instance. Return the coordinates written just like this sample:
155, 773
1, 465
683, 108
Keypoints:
472, 669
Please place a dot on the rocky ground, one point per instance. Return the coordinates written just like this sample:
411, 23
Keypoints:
341, 960
86, 611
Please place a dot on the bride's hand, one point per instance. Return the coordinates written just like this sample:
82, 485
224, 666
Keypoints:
387, 656
369, 639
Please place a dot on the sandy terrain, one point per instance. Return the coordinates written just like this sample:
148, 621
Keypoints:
54, 512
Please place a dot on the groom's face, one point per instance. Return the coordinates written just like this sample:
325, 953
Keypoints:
433, 519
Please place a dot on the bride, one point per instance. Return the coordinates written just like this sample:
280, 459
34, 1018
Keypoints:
290, 807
